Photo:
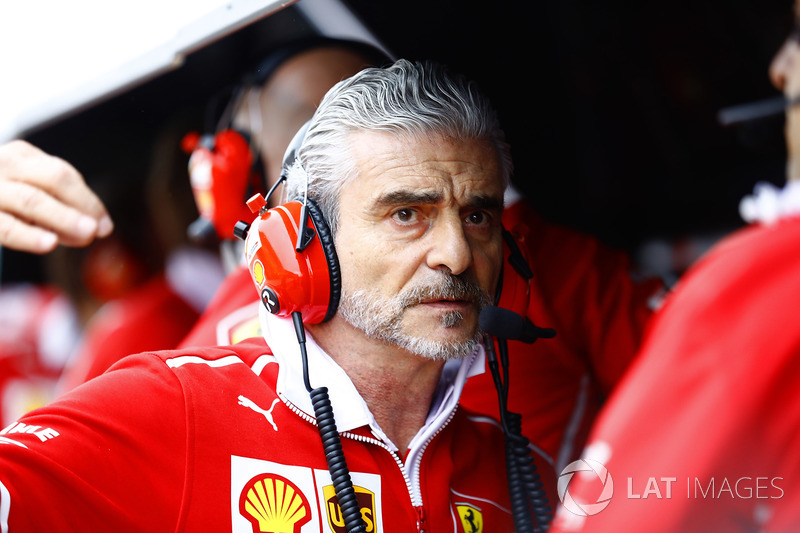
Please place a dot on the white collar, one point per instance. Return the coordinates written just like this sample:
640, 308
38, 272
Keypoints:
769, 203
349, 408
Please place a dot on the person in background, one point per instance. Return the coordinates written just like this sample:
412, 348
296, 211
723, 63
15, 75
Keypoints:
701, 435
272, 101
39, 331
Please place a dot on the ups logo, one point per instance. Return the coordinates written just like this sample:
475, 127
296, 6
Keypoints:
366, 501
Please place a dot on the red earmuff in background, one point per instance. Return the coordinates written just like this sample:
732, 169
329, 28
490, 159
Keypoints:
222, 177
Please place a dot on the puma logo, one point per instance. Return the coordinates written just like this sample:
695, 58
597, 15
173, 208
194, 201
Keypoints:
247, 402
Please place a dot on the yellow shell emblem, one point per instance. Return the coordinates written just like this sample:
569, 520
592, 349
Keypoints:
273, 504
258, 272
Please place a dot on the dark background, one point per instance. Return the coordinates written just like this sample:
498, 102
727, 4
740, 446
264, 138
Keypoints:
610, 106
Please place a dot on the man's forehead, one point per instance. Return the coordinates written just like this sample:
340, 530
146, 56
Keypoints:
432, 165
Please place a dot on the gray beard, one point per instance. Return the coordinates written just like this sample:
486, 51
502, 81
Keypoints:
381, 319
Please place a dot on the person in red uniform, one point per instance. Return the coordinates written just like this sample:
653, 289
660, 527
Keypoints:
701, 435
581, 288
226, 438
584, 290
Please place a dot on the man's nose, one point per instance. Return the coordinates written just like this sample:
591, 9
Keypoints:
449, 247
782, 63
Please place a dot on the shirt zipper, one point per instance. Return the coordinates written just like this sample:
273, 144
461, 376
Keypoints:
414, 494
418, 464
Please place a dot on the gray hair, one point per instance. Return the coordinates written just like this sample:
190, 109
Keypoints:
411, 100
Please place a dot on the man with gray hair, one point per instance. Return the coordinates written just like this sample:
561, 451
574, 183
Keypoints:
343, 418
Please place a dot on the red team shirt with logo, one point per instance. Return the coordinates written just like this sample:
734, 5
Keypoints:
198, 440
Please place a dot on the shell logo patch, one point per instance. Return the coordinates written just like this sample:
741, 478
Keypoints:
471, 518
366, 501
258, 272
273, 504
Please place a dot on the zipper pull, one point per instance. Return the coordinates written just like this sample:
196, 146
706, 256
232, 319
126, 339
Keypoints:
421, 523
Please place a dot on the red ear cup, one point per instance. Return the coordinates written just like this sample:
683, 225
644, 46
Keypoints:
221, 174
515, 287
288, 280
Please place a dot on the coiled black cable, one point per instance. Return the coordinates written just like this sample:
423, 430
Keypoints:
337, 466
518, 450
529, 503
331, 442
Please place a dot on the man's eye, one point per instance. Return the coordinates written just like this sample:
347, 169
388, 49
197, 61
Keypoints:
405, 215
478, 218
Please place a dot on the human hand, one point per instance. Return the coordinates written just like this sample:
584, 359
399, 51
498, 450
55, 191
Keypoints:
44, 201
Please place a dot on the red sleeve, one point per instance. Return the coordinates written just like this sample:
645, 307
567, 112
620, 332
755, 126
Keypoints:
711, 402
110, 455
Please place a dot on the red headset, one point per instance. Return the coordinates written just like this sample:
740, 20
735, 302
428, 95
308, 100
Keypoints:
223, 171
290, 253
292, 270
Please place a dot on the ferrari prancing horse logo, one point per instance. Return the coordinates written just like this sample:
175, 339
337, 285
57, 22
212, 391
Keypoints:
471, 518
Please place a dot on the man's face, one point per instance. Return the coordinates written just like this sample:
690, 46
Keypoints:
784, 72
419, 241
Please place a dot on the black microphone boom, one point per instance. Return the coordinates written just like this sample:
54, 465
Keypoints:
505, 324
758, 110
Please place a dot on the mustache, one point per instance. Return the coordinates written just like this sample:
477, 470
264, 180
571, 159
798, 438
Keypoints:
447, 287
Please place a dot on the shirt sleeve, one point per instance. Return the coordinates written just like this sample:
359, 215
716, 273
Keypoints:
108, 456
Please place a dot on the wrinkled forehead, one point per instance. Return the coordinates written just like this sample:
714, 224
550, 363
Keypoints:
427, 162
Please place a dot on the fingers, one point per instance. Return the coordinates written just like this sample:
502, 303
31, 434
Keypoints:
42, 196
18, 235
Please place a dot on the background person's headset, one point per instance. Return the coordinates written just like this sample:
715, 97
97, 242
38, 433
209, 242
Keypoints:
225, 167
